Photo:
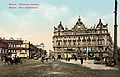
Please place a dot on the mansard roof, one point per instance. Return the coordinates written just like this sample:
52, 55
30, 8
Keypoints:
79, 25
100, 24
60, 27
79, 21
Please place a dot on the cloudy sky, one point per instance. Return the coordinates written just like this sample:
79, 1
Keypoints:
37, 25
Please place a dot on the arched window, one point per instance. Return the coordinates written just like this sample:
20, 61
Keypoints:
79, 40
69, 40
74, 40
88, 40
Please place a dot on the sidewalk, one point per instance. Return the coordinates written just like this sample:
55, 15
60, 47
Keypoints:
91, 65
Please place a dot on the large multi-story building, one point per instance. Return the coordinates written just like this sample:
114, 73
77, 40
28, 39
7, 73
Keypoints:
82, 41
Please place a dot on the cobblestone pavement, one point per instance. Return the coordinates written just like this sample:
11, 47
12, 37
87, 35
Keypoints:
91, 65
35, 68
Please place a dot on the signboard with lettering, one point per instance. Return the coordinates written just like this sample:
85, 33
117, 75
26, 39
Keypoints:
3, 45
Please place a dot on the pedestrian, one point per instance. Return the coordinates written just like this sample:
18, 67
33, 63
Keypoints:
1, 58
75, 58
15, 59
54, 58
66, 56
113, 62
81, 60
106, 61
69, 56
85, 58
5, 58
42, 58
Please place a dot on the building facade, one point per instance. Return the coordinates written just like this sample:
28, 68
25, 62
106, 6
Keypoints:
18, 47
3, 48
82, 41
21, 48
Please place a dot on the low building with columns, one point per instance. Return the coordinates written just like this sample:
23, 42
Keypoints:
82, 41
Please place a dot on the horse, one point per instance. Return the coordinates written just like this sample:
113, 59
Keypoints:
8, 60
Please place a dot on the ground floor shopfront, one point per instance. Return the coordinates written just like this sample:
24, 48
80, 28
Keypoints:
81, 51
19, 52
3, 48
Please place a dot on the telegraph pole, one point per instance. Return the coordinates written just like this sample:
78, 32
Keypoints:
115, 33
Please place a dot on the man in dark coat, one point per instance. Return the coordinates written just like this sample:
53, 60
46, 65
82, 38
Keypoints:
81, 60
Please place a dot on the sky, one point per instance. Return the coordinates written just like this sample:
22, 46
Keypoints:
37, 25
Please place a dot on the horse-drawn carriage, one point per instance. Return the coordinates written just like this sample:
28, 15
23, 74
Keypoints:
12, 60
15, 60
110, 61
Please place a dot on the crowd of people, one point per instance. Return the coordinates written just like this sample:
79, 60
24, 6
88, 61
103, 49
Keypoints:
108, 61
68, 57
8, 59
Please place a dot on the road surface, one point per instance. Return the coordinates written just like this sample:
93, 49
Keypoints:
35, 68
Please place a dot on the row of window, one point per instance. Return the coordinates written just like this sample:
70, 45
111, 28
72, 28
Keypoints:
78, 38
14, 45
78, 43
74, 33
3, 50
19, 50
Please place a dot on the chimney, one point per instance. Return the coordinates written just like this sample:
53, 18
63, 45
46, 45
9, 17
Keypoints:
3, 38
20, 38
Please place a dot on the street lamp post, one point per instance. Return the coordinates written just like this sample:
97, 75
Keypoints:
115, 33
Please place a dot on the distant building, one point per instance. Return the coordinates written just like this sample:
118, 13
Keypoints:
41, 48
3, 47
18, 47
21, 48
82, 41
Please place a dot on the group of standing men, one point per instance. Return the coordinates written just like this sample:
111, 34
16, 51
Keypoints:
69, 56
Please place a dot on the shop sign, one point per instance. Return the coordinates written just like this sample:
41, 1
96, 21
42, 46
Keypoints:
25, 42
23, 55
3, 45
